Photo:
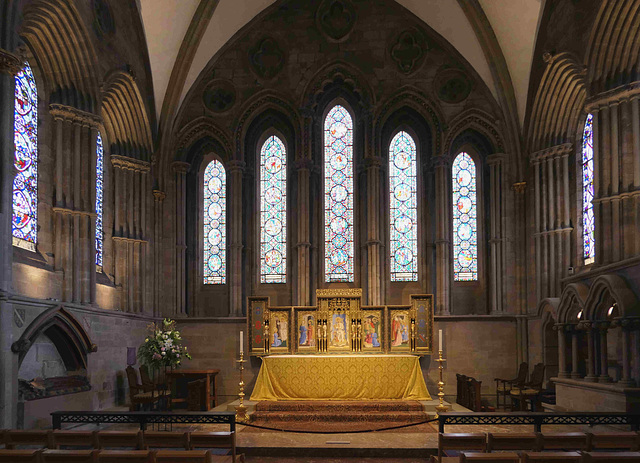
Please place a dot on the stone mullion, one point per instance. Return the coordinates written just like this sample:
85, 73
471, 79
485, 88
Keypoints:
158, 287
304, 242
443, 239
180, 169
235, 170
374, 269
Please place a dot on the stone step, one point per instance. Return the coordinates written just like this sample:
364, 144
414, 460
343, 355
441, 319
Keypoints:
340, 406
329, 416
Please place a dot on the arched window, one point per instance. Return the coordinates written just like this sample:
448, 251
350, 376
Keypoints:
25, 183
588, 221
465, 226
403, 208
99, 195
215, 232
273, 211
338, 195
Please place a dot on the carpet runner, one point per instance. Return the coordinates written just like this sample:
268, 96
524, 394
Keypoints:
339, 416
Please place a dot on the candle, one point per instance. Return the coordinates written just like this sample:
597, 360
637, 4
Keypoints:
241, 342
440, 338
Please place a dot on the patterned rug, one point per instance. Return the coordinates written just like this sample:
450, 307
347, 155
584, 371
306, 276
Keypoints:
340, 416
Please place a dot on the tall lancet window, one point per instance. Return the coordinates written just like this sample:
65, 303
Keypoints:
588, 221
403, 208
215, 231
25, 183
465, 226
99, 197
338, 195
273, 211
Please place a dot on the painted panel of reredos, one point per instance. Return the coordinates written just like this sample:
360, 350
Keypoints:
340, 308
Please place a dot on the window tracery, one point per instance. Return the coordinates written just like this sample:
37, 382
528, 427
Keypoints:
465, 228
588, 220
99, 199
215, 231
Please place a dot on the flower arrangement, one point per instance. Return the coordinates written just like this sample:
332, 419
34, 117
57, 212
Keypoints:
162, 347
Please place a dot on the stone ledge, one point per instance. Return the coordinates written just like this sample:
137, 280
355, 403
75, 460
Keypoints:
608, 387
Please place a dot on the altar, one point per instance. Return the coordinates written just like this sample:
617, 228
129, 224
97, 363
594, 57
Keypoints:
339, 349
340, 377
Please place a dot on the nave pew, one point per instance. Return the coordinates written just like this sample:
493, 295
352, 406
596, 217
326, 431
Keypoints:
110, 456
542, 457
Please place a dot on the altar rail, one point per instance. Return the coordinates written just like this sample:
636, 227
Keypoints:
143, 418
537, 419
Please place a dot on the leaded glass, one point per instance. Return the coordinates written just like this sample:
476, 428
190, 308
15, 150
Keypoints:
215, 232
99, 195
588, 221
25, 183
403, 208
338, 195
465, 229
273, 211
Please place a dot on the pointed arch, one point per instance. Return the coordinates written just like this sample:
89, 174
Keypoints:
613, 289
215, 229
572, 303
338, 195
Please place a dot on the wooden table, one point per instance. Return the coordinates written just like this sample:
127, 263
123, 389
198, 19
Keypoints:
192, 375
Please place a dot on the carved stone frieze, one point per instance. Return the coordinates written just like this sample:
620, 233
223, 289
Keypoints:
408, 50
335, 19
452, 85
136, 165
67, 113
266, 58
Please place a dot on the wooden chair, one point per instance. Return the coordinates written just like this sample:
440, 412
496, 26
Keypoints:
529, 390
504, 386
171, 440
69, 456
530, 441
187, 456
73, 439
197, 395
20, 456
14, 438
475, 397
564, 441
125, 456
551, 457
506, 457
137, 394
214, 440
462, 396
149, 385
608, 441
119, 439
611, 457
461, 441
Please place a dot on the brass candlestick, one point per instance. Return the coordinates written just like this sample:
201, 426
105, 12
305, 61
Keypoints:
241, 410
442, 407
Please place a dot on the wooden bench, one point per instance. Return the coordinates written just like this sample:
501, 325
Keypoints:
611, 457
461, 441
209, 440
551, 457
186, 456
506, 457
564, 441
73, 439
119, 439
619, 441
517, 441
69, 456
125, 456
14, 438
171, 440
20, 456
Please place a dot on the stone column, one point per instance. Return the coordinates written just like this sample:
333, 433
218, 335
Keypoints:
496, 241
181, 169
9, 67
234, 212
635, 124
591, 351
158, 286
375, 269
575, 373
635, 328
538, 227
562, 347
520, 237
443, 237
597, 186
616, 229
604, 377
303, 274
627, 380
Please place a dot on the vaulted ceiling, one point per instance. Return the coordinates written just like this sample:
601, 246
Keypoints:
485, 32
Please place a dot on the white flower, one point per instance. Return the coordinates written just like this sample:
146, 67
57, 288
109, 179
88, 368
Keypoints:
146, 340
164, 353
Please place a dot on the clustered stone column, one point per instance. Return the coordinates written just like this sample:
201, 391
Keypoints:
616, 150
497, 242
234, 212
303, 245
552, 218
443, 236
374, 269
74, 147
131, 179
522, 329
562, 349
158, 211
181, 169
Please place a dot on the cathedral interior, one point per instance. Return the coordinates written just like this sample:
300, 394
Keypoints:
165, 159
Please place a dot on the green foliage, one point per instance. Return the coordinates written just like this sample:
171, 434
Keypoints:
162, 348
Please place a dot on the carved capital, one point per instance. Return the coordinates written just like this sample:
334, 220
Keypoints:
180, 167
552, 152
235, 167
62, 112
496, 159
303, 164
373, 163
9, 63
519, 187
159, 196
440, 161
126, 163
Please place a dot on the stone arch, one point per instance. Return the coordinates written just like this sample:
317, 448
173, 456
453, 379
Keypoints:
66, 333
615, 289
196, 134
572, 302
477, 121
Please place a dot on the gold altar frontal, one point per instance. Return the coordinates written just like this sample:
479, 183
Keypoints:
340, 377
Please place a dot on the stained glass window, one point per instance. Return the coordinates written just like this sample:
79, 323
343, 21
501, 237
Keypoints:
25, 183
338, 195
403, 208
215, 233
465, 229
99, 195
588, 221
273, 211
